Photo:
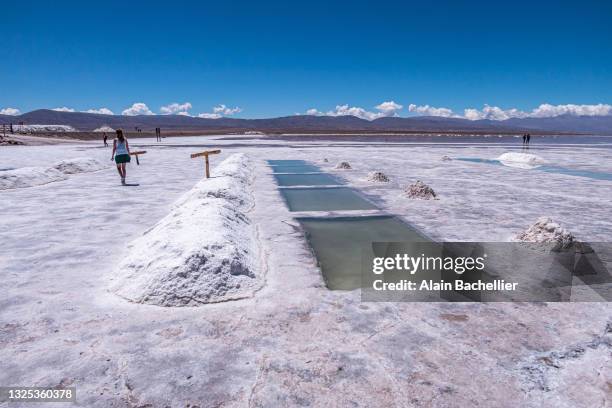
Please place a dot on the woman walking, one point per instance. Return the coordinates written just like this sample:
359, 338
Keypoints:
121, 154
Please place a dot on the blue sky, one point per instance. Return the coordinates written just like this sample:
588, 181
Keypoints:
280, 58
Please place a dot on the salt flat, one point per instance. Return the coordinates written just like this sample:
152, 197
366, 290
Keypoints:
295, 342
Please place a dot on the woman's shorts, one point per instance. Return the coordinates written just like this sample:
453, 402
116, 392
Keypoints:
122, 158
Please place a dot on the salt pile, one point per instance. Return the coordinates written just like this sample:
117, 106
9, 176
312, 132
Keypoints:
378, 177
79, 165
36, 176
28, 177
343, 166
523, 161
7, 141
42, 128
446, 158
545, 230
104, 129
205, 250
420, 190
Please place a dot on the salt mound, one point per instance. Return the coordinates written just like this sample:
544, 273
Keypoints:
42, 128
420, 190
446, 158
545, 230
104, 129
79, 165
526, 158
205, 250
36, 176
343, 166
7, 141
378, 177
29, 177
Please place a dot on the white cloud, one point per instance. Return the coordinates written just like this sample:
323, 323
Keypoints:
493, 113
101, 111
427, 110
209, 115
224, 110
496, 113
546, 110
385, 109
176, 109
9, 111
472, 114
390, 108
220, 111
137, 108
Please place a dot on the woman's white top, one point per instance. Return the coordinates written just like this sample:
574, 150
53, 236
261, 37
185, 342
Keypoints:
121, 148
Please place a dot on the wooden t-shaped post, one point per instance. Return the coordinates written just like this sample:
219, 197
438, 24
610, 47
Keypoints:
205, 154
135, 154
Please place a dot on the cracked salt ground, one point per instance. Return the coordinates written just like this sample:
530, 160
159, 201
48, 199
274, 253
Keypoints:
551, 372
295, 342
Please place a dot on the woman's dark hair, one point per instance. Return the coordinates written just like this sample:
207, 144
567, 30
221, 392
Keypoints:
120, 135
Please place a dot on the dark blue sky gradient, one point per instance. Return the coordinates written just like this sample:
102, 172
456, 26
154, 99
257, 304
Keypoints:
279, 58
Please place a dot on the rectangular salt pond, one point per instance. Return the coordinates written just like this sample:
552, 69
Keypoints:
324, 199
305, 168
287, 162
338, 244
596, 175
306, 180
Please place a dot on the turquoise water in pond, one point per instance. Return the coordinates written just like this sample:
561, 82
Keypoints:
324, 199
306, 180
305, 168
478, 160
287, 162
596, 175
338, 244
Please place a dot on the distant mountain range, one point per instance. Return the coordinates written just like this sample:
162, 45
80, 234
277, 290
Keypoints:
87, 122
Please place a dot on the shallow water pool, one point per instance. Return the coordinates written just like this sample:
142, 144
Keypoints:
324, 199
287, 162
338, 244
596, 175
306, 180
305, 168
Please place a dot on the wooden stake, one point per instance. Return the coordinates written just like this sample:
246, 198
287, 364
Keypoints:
135, 154
205, 154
